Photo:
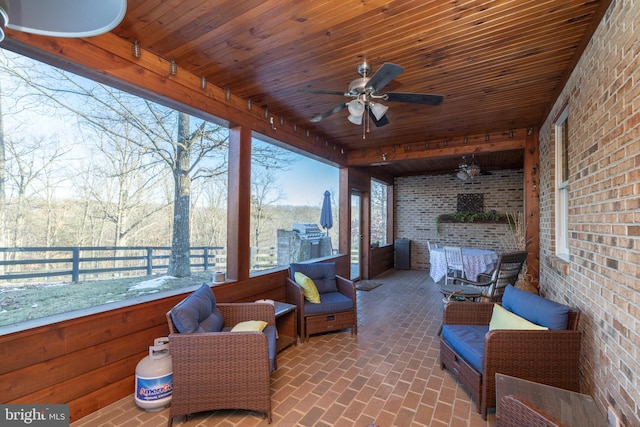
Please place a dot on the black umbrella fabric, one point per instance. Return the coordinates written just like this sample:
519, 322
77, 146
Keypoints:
326, 219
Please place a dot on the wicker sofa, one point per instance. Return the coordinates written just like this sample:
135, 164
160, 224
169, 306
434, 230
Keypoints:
474, 354
214, 367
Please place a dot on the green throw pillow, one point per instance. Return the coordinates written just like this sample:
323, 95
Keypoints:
504, 319
308, 288
250, 326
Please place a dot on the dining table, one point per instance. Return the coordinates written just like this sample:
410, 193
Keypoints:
476, 261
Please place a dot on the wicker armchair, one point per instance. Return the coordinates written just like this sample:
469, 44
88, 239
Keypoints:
323, 317
222, 370
549, 357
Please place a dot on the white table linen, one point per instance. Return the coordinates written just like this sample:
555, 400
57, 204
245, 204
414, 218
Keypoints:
476, 261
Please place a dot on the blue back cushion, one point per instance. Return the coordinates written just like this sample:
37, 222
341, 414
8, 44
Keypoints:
535, 308
323, 275
198, 312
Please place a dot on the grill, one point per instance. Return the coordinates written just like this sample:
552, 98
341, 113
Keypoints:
303, 242
308, 230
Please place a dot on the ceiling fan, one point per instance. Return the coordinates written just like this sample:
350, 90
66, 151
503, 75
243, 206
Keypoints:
61, 18
470, 169
367, 96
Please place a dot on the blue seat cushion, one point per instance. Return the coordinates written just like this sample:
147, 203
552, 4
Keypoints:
535, 308
467, 341
323, 274
198, 312
330, 302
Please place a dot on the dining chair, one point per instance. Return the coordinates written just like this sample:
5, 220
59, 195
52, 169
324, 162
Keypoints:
506, 272
455, 263
431, 246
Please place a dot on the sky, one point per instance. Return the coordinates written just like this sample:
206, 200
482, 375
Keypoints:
298, 191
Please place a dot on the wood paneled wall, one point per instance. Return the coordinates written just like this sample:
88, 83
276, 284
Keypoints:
381, 260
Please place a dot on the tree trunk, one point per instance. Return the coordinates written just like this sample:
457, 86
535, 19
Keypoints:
179, 262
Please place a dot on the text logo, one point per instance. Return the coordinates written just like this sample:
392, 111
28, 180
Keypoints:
34, 415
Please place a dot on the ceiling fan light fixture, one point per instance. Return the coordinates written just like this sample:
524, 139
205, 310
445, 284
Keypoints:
378, 110
462, 175
473, 170
356, 108
356, 120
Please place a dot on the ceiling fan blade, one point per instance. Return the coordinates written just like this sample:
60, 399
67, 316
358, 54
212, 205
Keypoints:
383, 76
328, 113
415, 98
324, 92
382, 122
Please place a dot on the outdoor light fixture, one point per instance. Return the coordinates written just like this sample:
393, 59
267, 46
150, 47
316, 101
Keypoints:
173, 68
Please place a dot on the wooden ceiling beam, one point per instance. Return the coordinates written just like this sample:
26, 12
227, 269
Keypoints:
455, 147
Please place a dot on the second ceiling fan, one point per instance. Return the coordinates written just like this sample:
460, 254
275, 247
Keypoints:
367, 95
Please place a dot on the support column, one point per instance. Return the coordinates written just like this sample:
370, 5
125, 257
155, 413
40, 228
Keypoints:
239, 203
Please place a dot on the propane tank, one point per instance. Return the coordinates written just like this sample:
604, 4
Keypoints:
154, 377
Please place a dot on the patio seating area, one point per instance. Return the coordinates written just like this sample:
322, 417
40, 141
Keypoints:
389, 374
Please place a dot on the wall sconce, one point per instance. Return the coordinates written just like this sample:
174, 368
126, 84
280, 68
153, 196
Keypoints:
203, 82
135, 49
173, 68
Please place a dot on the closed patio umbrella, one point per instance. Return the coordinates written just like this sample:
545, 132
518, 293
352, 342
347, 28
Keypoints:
326, 219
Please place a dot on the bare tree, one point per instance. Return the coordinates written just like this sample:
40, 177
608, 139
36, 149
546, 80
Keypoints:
28, 162
189, 148
264, 193
162, 134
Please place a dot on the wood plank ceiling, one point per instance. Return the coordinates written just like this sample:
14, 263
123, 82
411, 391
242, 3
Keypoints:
499, 64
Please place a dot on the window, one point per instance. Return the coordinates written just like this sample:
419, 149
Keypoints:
378, 213
89, 183
287, 194
562, 185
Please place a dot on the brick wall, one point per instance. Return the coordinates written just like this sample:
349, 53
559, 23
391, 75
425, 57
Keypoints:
420, 199
601, 278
